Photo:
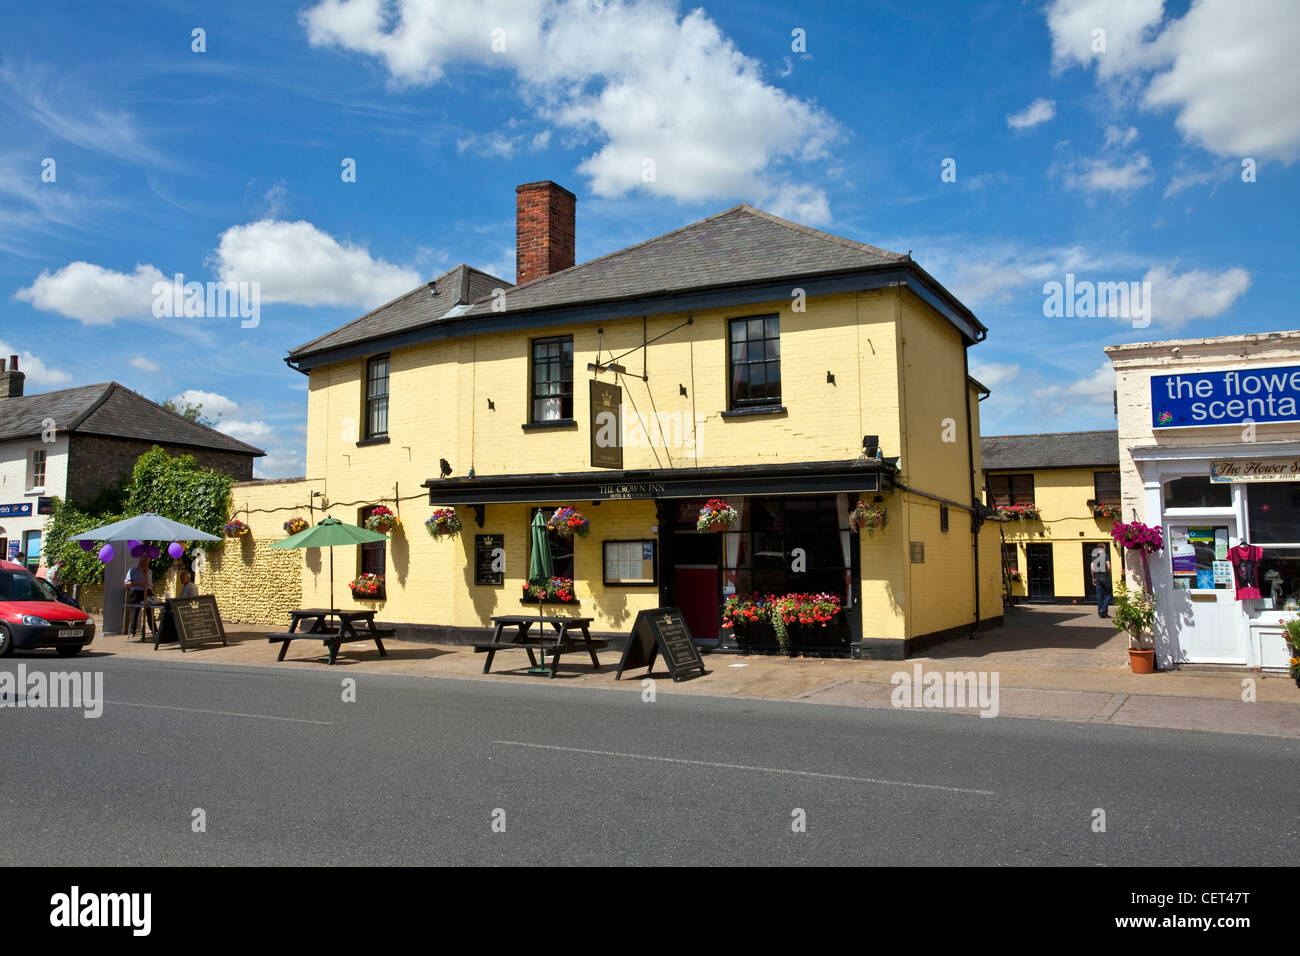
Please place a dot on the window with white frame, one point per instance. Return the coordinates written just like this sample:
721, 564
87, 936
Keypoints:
1273, 512
36, 469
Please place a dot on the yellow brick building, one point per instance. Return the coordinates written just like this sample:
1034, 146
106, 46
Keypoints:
744, 357
1072, 480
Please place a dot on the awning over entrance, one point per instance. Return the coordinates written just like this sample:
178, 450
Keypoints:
820, 477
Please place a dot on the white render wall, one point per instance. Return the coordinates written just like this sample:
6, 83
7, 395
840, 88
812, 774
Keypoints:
13, 481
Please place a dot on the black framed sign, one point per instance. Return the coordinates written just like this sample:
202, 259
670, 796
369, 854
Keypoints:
606, 425
193, 620
489, 559
662, 630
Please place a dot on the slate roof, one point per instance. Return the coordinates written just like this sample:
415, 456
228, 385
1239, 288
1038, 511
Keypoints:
1051, 450
114, 411
415, 309
737, 246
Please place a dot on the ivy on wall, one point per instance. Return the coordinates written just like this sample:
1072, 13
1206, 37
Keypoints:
172, 486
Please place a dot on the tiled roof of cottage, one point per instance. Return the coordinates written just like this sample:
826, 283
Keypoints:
1050, 450
111, 410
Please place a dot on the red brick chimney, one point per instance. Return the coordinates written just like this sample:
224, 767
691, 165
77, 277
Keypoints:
11, 381
544, 227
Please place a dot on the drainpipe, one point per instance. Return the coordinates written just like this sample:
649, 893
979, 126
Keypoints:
970, 471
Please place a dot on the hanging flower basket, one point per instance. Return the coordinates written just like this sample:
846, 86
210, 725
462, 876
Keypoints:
1137, 536
1112, 512
295, 525
1028, 512
443, 523
381, 520
368, 587
716, 515
234, 528
869, 518
566, 523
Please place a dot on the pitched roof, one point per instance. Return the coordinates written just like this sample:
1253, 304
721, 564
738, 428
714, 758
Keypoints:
738, 246
1051, 450
449, 293
111, 410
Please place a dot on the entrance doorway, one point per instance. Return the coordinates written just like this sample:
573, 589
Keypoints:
1041, 580
696, 588
1200, 612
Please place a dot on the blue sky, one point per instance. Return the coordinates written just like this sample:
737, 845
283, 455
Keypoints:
1122, 164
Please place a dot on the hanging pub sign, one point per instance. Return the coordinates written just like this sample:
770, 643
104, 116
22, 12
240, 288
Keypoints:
1255, 469
1232, 397
606, 425
662, 630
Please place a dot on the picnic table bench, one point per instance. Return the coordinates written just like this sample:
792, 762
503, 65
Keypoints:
332, 636
566, 638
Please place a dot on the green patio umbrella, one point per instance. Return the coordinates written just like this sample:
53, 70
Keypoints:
331, 533
540, 569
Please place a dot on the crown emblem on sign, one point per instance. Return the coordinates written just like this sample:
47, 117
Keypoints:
605, 399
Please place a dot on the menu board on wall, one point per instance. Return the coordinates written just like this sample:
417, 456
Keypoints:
489, 559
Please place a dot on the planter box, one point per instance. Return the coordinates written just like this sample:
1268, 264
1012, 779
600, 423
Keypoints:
833, 638
756, 637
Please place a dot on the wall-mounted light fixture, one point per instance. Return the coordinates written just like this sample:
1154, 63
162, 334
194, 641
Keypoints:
830, 378
681, 390
491, 405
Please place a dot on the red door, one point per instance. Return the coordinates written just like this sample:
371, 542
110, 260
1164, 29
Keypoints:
695, 591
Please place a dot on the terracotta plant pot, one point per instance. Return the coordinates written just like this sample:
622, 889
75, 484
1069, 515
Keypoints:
1142, 662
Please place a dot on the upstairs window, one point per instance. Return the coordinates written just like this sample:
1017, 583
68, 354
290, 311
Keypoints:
36, 469
1011, 490
1105, 487
552, 379
755, 361
377, 397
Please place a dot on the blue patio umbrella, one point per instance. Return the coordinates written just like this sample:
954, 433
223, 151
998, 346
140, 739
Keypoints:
541, 567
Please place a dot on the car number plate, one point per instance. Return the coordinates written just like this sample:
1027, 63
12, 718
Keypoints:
70, 632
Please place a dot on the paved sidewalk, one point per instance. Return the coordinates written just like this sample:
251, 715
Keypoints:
1052, 663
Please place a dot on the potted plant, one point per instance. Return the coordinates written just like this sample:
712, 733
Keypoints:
368, 587
566, 522
1135, 612
381, 519
295, 525
716, 515
234, 528
1292, 636
1027, 512
868, 517
1111, 512
443, 523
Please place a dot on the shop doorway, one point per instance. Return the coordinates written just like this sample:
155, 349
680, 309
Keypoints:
1200, 612
1041, 583
696, 588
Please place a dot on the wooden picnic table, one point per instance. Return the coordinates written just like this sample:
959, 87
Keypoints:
565, 639
320, 626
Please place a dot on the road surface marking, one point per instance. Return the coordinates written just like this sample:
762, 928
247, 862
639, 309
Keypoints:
738, 766
220, 713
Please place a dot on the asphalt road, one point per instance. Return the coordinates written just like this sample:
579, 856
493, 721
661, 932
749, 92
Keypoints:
413, 771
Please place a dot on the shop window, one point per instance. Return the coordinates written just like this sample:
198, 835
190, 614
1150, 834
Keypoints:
759, 553
376, 415
1105, 487
552, 379
629, 562
1010, 490
1274, 511
373, 553
1197, 492
755, 361
1279, 578
1198, 557
561, 548
36, 469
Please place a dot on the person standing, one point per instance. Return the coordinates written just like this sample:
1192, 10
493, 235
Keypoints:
1101, 579
140, 582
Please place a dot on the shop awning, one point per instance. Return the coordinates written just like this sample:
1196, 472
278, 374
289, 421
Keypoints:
818, 477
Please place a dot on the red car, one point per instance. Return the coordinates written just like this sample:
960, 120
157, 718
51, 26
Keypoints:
31, 615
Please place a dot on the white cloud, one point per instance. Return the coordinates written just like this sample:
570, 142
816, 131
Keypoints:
143, 364
37, 372
93, 294
1039, 111
1078, 398
1095, 175
1119, 137
280, 463
994, 374
1228, 70
246, 430
214, 403
635, 78
298, 263
1197, 294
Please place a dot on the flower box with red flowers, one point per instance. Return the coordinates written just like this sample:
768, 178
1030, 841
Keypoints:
368, 587
555, 591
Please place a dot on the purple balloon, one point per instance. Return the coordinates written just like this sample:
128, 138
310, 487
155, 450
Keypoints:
175, 550
153, 551
137, 550
87, 545
106, 554
132, 545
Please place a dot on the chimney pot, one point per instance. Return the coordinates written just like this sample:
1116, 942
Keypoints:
11, 380
544, 230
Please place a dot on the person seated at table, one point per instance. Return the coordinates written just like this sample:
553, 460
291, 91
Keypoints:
140, 582
188, 587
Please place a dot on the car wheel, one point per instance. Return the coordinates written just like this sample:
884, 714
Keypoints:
6, 642
68, 651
